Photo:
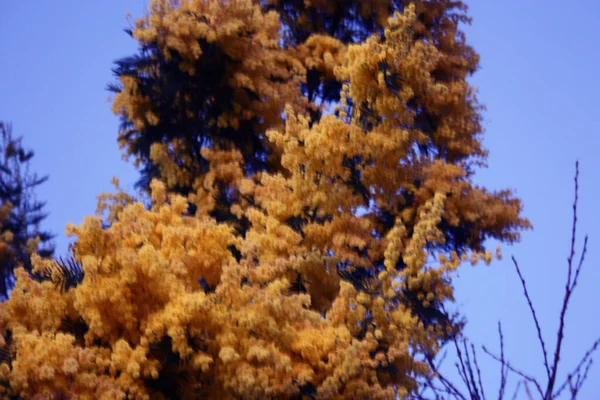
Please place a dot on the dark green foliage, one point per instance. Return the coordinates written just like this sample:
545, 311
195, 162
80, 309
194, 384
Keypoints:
17, 186
345, 24
173, 93
70, 271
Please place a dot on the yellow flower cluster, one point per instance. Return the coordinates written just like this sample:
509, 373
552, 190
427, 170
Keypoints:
7, 236
240, 32
321, 53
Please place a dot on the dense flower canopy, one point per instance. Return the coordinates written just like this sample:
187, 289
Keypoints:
322, 275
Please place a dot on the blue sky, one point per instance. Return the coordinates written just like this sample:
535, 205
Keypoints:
538, 80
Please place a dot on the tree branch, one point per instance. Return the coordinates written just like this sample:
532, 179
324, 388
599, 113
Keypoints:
503, 372
569, 286
462, 371
514, 397
516, 371
584, 359
447, 384
535, 319
478, 371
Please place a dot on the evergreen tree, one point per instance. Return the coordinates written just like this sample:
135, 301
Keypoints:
22, 214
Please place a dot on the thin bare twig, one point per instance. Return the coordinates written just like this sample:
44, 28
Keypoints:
514, 397
447, 384
503, 372
462, 371
568, 290
436, 392
585, 373
585, 242
470, 369
535, 319
516, 371
442, 358
478, 371
581, 363
527, 391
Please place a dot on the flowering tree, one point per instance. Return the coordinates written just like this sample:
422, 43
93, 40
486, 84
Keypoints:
287, 252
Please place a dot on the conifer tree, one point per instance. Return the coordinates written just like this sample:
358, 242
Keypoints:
20, 213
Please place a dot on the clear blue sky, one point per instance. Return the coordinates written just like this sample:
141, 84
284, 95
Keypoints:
538, 80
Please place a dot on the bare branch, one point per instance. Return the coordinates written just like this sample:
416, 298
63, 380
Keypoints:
568, 290
578, 381
436, 392
503, 372
442, 358
447, 384
470, 369
585, 242
462, 371
478, 371
574, 225
535, 319
516, 371
464, 379
527, 391
585, 374
514, 397
581, 363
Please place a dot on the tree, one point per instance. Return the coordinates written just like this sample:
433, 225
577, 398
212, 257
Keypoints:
21, 214
216, 75
322, 272
211, 76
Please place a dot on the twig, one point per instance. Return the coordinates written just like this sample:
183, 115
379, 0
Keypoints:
535, 319
585, 374
478, 371
434, 389
516, 371
569, 286
503, 372
447, 384
442, 358
529, 395
436, 392
463, 373
514, 397
583, 360
470, 369
585, 242
574, 226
